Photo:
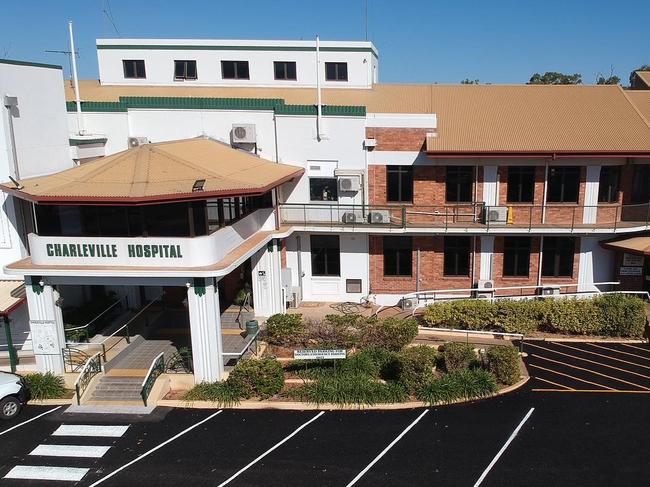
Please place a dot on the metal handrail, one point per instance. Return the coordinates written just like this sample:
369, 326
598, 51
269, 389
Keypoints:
95, 318
239, 355
156, 368
92, 367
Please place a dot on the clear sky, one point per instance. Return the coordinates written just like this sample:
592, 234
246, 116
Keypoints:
443, 41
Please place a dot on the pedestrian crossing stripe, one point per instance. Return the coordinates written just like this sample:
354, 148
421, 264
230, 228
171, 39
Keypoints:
35, 472
90, 430
77, 451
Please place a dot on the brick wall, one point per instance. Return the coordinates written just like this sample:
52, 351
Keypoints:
398, 139
431, 268
628, 283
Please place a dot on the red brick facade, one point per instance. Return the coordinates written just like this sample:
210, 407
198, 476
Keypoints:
398, 139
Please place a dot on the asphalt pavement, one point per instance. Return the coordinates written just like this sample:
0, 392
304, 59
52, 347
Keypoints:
554, 431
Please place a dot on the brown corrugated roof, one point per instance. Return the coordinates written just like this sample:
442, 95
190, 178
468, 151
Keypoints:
634, 245
471, 118
644, 76
641, 100
159, 172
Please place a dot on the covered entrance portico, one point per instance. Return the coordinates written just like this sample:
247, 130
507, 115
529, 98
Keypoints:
177, 216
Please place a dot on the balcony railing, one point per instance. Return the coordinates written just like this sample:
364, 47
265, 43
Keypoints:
469, 215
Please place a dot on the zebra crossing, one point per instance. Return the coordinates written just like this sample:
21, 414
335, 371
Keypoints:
68, 450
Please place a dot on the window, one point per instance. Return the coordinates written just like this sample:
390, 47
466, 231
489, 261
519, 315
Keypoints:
336, 71
457, 256
284, 70
521, 184
134, 68
234, 70
557, 257
563, 184
608, 186
398, 256
399, 183
641, 184
185, 70
325, 255
459, 184
323, 189
516, 256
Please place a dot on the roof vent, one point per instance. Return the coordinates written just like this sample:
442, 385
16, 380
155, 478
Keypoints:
198, 185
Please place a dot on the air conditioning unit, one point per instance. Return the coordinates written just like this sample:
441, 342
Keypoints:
137, 141
496, 214
349, 217
379, 217
243, 133
350, 183
550, 291
296, 297
408, 304
484, 289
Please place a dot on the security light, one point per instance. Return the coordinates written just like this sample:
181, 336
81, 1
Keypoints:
198, 185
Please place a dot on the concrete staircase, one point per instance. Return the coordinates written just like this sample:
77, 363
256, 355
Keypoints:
118, 388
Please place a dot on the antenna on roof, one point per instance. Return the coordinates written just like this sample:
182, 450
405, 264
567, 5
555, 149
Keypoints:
75, 80
67, 53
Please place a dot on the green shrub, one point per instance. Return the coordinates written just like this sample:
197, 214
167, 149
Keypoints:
226, 393
258, 378
522, 316
458, 356
466, 314
503, 362
284, 329
335, 331
393, 334
461, 384
349, 389
622, 315
386, 361
572, 316
416, 366
45, 386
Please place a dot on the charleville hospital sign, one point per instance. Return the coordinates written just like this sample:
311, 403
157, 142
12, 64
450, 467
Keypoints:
110, 250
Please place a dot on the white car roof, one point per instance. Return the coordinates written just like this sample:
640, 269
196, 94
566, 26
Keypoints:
6, 378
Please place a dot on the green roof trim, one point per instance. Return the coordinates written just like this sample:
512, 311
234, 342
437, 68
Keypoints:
75, 142
193, 103
28, 63
184, 47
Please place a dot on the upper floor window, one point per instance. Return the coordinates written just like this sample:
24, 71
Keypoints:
608, 187
459, 184
516, 256
557, 256
336, 71
399, 183
457, 251
323, 189
234, 70
563, 184
185, 69
284, 70
325, 255
398, 256
134, 68
641, 184
521, 184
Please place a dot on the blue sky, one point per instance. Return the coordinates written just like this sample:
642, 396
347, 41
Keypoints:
419, 41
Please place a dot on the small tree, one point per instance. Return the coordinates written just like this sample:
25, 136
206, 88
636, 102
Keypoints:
612, 79
555, 78
468, 81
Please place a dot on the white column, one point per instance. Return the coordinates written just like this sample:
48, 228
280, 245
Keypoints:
591, 194
487, 257
586, 264
491, 185
205, 328
267, 284
46, 326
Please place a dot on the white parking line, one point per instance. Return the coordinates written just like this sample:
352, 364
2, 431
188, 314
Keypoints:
78, 451
29, 420
156, 448
385, 450
503, 448
31, 472
274, 447
113, 431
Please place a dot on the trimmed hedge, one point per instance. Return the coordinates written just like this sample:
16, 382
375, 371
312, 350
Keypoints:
284, 329
458, 355
416, 366
461, 384
392, 334
617, 315
503, 362
258, 378
45, 386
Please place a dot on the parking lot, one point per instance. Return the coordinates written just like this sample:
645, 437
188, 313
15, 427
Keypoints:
570, 437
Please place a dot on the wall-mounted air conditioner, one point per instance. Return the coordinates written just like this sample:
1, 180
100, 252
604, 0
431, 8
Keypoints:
349, 183
349, 217
379, 217
484, 288
243, 133
550, 291
408, 304
137, 141
496, 214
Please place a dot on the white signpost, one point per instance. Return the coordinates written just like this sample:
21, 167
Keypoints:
316, 354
